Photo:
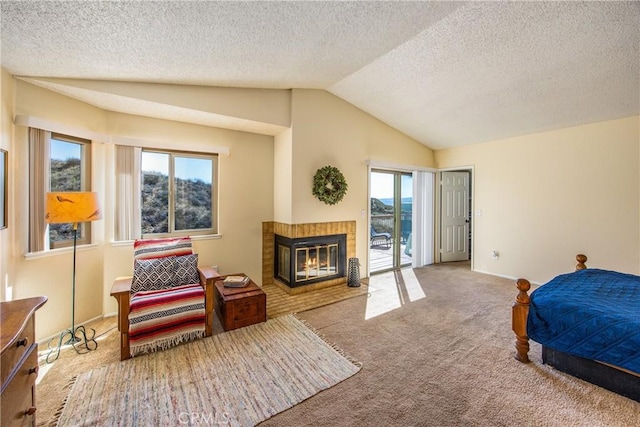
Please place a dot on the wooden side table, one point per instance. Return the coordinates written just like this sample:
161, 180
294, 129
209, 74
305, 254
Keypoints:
19, 361
240, 307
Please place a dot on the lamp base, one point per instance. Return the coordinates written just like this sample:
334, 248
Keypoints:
77, 338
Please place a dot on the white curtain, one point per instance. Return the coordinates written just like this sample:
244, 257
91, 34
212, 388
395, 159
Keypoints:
39, 185
128, 192
422, 233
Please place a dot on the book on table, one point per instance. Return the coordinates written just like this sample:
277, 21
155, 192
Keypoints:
236, 281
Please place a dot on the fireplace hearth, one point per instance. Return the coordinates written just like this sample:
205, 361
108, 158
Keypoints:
308, 260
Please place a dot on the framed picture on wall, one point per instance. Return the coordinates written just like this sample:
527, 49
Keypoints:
3, 188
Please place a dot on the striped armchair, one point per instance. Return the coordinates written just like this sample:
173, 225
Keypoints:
168, 300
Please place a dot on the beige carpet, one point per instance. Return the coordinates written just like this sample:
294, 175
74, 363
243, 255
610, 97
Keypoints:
437, 350
53, 379
442, 355
238, 379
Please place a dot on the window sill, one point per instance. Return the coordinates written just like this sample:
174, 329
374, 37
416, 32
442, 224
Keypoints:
119, 243
61, 251
207, 237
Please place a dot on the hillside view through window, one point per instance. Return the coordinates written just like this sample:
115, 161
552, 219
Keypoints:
67, 173
177, 192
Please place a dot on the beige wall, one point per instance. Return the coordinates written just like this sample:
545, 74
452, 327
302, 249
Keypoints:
258, 172
265, 111
7, 93
51, 275
245, 197
282, 169
330, 131
546, 197
246, 200
35, 101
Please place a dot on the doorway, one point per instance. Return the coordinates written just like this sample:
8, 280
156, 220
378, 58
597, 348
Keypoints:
455, 215
391, 201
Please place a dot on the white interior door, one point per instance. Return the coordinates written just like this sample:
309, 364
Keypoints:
455, 219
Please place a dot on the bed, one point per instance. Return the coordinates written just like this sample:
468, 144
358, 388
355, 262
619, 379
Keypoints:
588, 323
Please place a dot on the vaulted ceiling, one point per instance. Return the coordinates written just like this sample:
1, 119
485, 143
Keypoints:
444, 73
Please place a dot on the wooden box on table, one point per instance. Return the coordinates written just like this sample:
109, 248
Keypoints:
240, 307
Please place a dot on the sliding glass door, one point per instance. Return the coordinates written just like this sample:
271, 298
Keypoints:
391, 227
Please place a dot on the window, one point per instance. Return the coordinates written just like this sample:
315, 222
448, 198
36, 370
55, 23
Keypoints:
178, 193
69, 160
56, 163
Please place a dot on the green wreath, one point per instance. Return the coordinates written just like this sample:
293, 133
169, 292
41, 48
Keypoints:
329, 185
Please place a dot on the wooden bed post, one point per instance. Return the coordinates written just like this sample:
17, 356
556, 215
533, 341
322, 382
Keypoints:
581, 262
520, 312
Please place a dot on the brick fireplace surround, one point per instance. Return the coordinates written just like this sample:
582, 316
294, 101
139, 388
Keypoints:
294, 231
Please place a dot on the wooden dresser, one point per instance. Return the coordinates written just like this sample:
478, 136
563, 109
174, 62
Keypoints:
19, 361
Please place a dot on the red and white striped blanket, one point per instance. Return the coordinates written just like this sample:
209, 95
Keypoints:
163, 318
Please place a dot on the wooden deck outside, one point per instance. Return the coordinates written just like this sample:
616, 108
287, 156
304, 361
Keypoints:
381, 257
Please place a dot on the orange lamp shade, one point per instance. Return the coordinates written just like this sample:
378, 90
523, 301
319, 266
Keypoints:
72, 207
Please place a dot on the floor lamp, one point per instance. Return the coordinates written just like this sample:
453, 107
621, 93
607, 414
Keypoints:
74, 208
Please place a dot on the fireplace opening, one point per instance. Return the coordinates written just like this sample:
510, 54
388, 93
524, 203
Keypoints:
309, 260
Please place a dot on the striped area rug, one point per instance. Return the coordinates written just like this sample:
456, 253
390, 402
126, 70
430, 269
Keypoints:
238, 378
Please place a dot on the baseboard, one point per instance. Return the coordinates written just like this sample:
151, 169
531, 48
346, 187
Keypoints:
56, 335
504, 276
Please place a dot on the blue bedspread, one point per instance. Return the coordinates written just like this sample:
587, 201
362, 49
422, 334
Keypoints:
591, 313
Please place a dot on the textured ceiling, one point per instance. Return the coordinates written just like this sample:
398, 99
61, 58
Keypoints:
444, 73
